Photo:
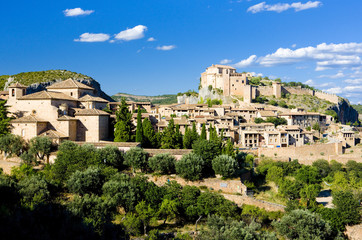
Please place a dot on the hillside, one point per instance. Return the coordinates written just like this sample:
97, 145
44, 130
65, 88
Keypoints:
358, 107
28, 78
160, 99
39, 80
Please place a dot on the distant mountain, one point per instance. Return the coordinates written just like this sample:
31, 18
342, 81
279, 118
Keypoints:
160, 99
39, 80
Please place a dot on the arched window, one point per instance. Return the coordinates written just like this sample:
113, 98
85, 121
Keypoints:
13, 92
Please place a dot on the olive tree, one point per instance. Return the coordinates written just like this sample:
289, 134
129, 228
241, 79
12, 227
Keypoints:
137, 158
190, 167
224, 165
163, 163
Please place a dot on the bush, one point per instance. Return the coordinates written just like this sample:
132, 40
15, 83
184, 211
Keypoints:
190, 167
34, 190
224, 165
163, 163
41, 146
88, 181
112, 156
137, 158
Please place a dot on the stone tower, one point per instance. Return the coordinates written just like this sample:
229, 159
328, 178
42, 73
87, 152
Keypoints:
277, 89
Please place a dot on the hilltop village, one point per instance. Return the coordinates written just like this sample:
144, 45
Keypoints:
71, 110
237, 153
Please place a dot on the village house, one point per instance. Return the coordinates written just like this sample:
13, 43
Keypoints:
66, 110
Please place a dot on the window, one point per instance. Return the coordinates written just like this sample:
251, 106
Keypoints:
23, 132
13, 92
71, 93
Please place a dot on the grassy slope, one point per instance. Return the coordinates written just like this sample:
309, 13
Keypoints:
358, 107
161, 99
28, 78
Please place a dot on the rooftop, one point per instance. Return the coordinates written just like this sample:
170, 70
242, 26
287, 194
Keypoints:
17, 85
69, 84
90, 112
28, 119
47, 95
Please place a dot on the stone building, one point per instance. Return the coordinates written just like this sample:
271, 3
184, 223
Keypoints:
226, 79
66, 110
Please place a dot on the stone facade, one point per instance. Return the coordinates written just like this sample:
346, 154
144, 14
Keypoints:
66, 110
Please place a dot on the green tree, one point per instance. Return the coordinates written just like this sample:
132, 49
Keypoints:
133, 224
323, 167
137, 158
308, 175
168, 140
189, 195
347, 206
229, 149
139, 130
178, 137
163, 163
146, 214
316, 126
221, 228
275, 174
208, 150
112, 156
308, 195
190, 167
124, 127
302, 224
168, 210
224, 165
188, 139
12, 145
88, 181
195, 135
149, 135
41, 146
203, 132
4, 119
34, 190
72, 157
121, 191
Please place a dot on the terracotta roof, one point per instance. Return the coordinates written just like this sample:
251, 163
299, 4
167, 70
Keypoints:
53, 134
66, 118
267, 114
90, 112
28, 119
69, 84
47, 95
301, 114
89, 98
4, 92
17, 85
221, 66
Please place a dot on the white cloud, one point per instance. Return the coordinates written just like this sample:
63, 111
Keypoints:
151, 39
353, 81
309, 82
92, 37
166, 47
77, 12
294, 45
326, 56
246, 62
336, 90
132, 33
225, 61
340, 74
281, 7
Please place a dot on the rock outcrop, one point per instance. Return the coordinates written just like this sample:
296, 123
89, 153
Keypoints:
37, 87
346, 113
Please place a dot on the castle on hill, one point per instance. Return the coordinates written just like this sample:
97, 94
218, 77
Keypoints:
230, 83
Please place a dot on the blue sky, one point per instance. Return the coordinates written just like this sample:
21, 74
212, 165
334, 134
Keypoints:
161, 46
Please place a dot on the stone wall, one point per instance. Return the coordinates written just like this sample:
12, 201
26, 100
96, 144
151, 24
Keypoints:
297, 90
226, 186
306, 154
264, 91
327, 96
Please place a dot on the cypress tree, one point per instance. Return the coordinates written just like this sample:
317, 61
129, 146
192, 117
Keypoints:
203, 132
178, 138
187, 140
124, 127
194, 133
4, 119
168, 136
139, 130
149, 135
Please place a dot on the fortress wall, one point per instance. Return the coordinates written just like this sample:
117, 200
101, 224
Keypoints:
297, 91
327, 96
264, 91
306, 154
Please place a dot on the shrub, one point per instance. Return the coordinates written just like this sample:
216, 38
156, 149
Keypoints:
224, 165
163, 163
88, 181
137, 158
190, 167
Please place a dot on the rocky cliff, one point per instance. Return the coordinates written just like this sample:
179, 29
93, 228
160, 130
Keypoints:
38, 81
346, 113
